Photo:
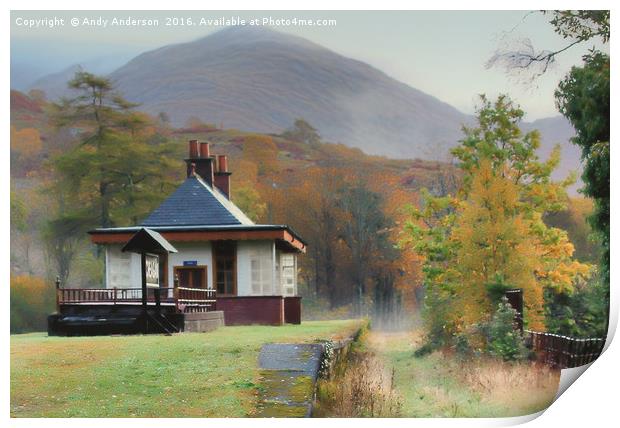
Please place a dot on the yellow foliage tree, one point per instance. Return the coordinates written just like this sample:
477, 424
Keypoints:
495, 249
249, 201
489, 236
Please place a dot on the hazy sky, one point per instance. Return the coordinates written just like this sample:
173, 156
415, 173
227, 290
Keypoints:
441, 53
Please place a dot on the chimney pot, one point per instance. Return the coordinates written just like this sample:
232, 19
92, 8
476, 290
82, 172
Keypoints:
204, 150
199, 163
222, 176
193, 149
222, 163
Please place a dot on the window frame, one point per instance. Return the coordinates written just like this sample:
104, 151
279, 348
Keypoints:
232, 256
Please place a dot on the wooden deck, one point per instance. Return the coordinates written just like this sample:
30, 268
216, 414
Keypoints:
95, 311
184, 299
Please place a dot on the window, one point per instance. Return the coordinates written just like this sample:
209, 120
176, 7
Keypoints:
225, 253
287, 261
261, 267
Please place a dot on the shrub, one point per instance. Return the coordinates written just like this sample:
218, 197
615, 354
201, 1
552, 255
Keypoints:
462, 345
438, 320
32, 299
425, 349
504, 340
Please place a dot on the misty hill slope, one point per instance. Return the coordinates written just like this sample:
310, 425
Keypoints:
557, 130
262, 80
55, 84
257, 79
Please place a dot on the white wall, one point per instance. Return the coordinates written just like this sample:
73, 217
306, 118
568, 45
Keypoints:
122, 269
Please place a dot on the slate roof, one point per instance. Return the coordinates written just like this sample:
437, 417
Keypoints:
195, 203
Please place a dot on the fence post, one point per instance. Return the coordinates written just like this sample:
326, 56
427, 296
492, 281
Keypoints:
57, 283
175, 292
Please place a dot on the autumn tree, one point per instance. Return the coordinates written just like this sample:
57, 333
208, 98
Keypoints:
583, 97
365, 232
31, 299
314, 208
574, 220
302, 132
262, 151
490, 235
248, 199
26, 151
26, 141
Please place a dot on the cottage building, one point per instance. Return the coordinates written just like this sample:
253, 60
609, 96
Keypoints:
252, 267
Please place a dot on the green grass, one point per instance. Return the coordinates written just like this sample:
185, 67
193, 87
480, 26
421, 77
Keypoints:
186, 375
439, 385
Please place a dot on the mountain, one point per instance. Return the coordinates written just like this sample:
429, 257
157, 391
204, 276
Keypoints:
55, 84
257, 79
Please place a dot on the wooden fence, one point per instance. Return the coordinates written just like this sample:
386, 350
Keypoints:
563, 351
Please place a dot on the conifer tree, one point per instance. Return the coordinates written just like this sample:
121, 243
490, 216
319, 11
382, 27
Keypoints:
114, 176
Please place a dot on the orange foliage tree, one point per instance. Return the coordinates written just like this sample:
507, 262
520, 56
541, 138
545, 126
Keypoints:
490, 236
348, 219
261, 150
26, 141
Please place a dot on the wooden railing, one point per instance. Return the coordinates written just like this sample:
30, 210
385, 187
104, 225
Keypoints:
184, 299
563, 351
110, 295
194, 299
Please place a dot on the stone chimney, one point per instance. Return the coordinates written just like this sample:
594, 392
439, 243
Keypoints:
222, 176
204, 163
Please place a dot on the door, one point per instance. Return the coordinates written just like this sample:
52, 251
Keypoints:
191, 276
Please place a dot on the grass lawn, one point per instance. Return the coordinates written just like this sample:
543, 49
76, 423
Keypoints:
185, 375
438, 385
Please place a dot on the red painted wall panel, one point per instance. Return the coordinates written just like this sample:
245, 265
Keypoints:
292, 310
247, 310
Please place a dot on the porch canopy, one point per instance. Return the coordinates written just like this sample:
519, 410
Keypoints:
148, 241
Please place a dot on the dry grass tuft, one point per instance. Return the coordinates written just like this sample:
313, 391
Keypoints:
366, 389
525, 386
